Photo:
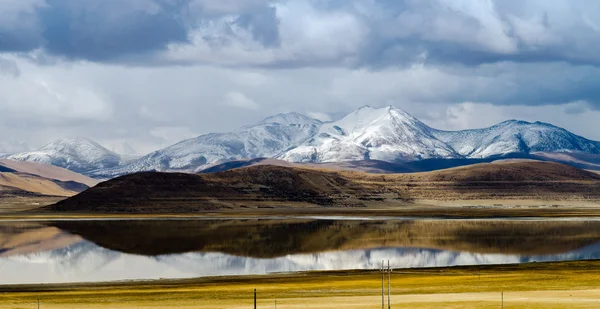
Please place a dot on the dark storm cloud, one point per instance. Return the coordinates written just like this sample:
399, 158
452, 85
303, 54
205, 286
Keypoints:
263, 25
119, 30
396, 33
104, 30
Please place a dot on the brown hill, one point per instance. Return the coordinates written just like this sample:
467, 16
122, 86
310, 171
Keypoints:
275, 186
47, 171
27, 184
21, 184
367, 166
578, 160
509, 170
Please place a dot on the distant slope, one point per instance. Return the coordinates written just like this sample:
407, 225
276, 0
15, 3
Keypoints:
368, 166
28, 179
46, 171
38, 185
276, 186
384, 167
77, 154
509, 171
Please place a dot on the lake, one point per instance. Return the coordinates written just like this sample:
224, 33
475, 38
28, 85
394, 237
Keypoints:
109, 250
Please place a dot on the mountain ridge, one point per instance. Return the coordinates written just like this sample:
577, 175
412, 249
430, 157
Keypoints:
366, 134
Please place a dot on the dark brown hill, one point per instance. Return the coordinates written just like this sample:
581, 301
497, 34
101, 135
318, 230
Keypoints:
276, 186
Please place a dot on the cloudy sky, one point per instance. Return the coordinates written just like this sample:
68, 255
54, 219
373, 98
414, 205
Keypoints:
138, 75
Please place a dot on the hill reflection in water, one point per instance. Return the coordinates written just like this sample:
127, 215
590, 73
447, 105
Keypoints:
75, 251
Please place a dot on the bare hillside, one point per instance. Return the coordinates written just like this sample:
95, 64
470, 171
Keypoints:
47, 171
280, 187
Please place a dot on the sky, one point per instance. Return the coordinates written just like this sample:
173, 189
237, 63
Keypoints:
139, 75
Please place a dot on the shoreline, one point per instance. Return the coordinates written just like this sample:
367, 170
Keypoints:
299, 217
412, 212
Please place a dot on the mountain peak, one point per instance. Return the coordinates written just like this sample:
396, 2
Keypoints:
367, 115
76, 144
514, 122
385, 133
79, 154
73, 140
389, 109
290, 118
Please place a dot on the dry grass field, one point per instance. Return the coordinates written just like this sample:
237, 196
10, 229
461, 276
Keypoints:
537, 285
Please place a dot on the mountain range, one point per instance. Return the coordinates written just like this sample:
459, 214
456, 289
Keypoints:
367, 134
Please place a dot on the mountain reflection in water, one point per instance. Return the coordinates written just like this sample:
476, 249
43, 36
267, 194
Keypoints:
87, 251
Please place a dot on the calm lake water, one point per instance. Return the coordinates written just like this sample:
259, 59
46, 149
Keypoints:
88, 251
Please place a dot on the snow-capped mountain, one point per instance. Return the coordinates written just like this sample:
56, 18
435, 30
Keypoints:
386, 134
514, 136
269, 138
77, 154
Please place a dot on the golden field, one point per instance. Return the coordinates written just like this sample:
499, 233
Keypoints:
536, 285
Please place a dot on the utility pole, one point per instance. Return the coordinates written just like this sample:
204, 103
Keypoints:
275, 304
502, 299
382, 286
254, 298
389, 285
38, 302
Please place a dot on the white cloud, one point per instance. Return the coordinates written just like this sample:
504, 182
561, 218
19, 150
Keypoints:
319, 116
51, 94
173, 133
238, 99
306, 35
9, 67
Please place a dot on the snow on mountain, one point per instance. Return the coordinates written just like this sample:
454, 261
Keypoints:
77, 154
268, 138
386, 134
516, 136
